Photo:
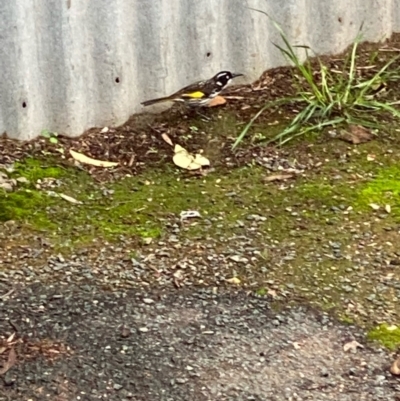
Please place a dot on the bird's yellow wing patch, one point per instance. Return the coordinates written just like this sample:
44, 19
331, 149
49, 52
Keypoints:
194, 95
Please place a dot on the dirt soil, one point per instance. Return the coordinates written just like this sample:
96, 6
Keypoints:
108, 293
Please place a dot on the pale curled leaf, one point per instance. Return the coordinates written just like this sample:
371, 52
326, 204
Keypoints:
70, 199
80, 157
216, 101
11, 337
278, 177
182, 158
167, 139
374, 206
203, 161
395, 368
234, 97
233, 280
11, 361
356, 134
352, 346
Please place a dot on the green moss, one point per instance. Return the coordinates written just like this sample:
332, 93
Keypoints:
388, 336
36, 169
140, 206
318, 192
384, 189
345, 319
25, 205
135, 206
261, 292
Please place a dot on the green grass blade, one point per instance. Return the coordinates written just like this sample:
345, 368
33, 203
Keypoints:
352, 70
367, 86
284, 138
387, 107
258, 114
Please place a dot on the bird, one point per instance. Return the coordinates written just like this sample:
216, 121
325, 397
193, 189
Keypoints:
199, 93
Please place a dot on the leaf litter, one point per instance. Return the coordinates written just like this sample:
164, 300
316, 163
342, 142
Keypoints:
356, 134
80, 157
182, 158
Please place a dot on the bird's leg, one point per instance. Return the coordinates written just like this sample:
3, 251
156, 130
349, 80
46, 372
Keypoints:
201, 115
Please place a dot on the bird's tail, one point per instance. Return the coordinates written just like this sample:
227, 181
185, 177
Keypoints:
154, 101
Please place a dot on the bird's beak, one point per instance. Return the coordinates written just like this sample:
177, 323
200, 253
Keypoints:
237, 75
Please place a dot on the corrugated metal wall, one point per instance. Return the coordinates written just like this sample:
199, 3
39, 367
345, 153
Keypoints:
68, 65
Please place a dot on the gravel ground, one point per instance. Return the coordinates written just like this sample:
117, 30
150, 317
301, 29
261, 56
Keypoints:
81, 343
87, 327
366, 286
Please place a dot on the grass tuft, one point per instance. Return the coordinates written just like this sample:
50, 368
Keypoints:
327, 98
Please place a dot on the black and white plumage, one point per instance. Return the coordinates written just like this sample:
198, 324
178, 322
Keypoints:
198, 93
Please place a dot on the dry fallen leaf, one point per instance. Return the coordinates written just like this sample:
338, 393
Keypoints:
234, 97
182, 158
12, 359
352, 346
374, 206
356, 134
88, 160
167, 139
203, 161
388, 209
233, 280
278, 177
70, 199
11, 337
395, 368
217, 101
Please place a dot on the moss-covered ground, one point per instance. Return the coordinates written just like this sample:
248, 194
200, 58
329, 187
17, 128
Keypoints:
328, 236
323, 218
140, 205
